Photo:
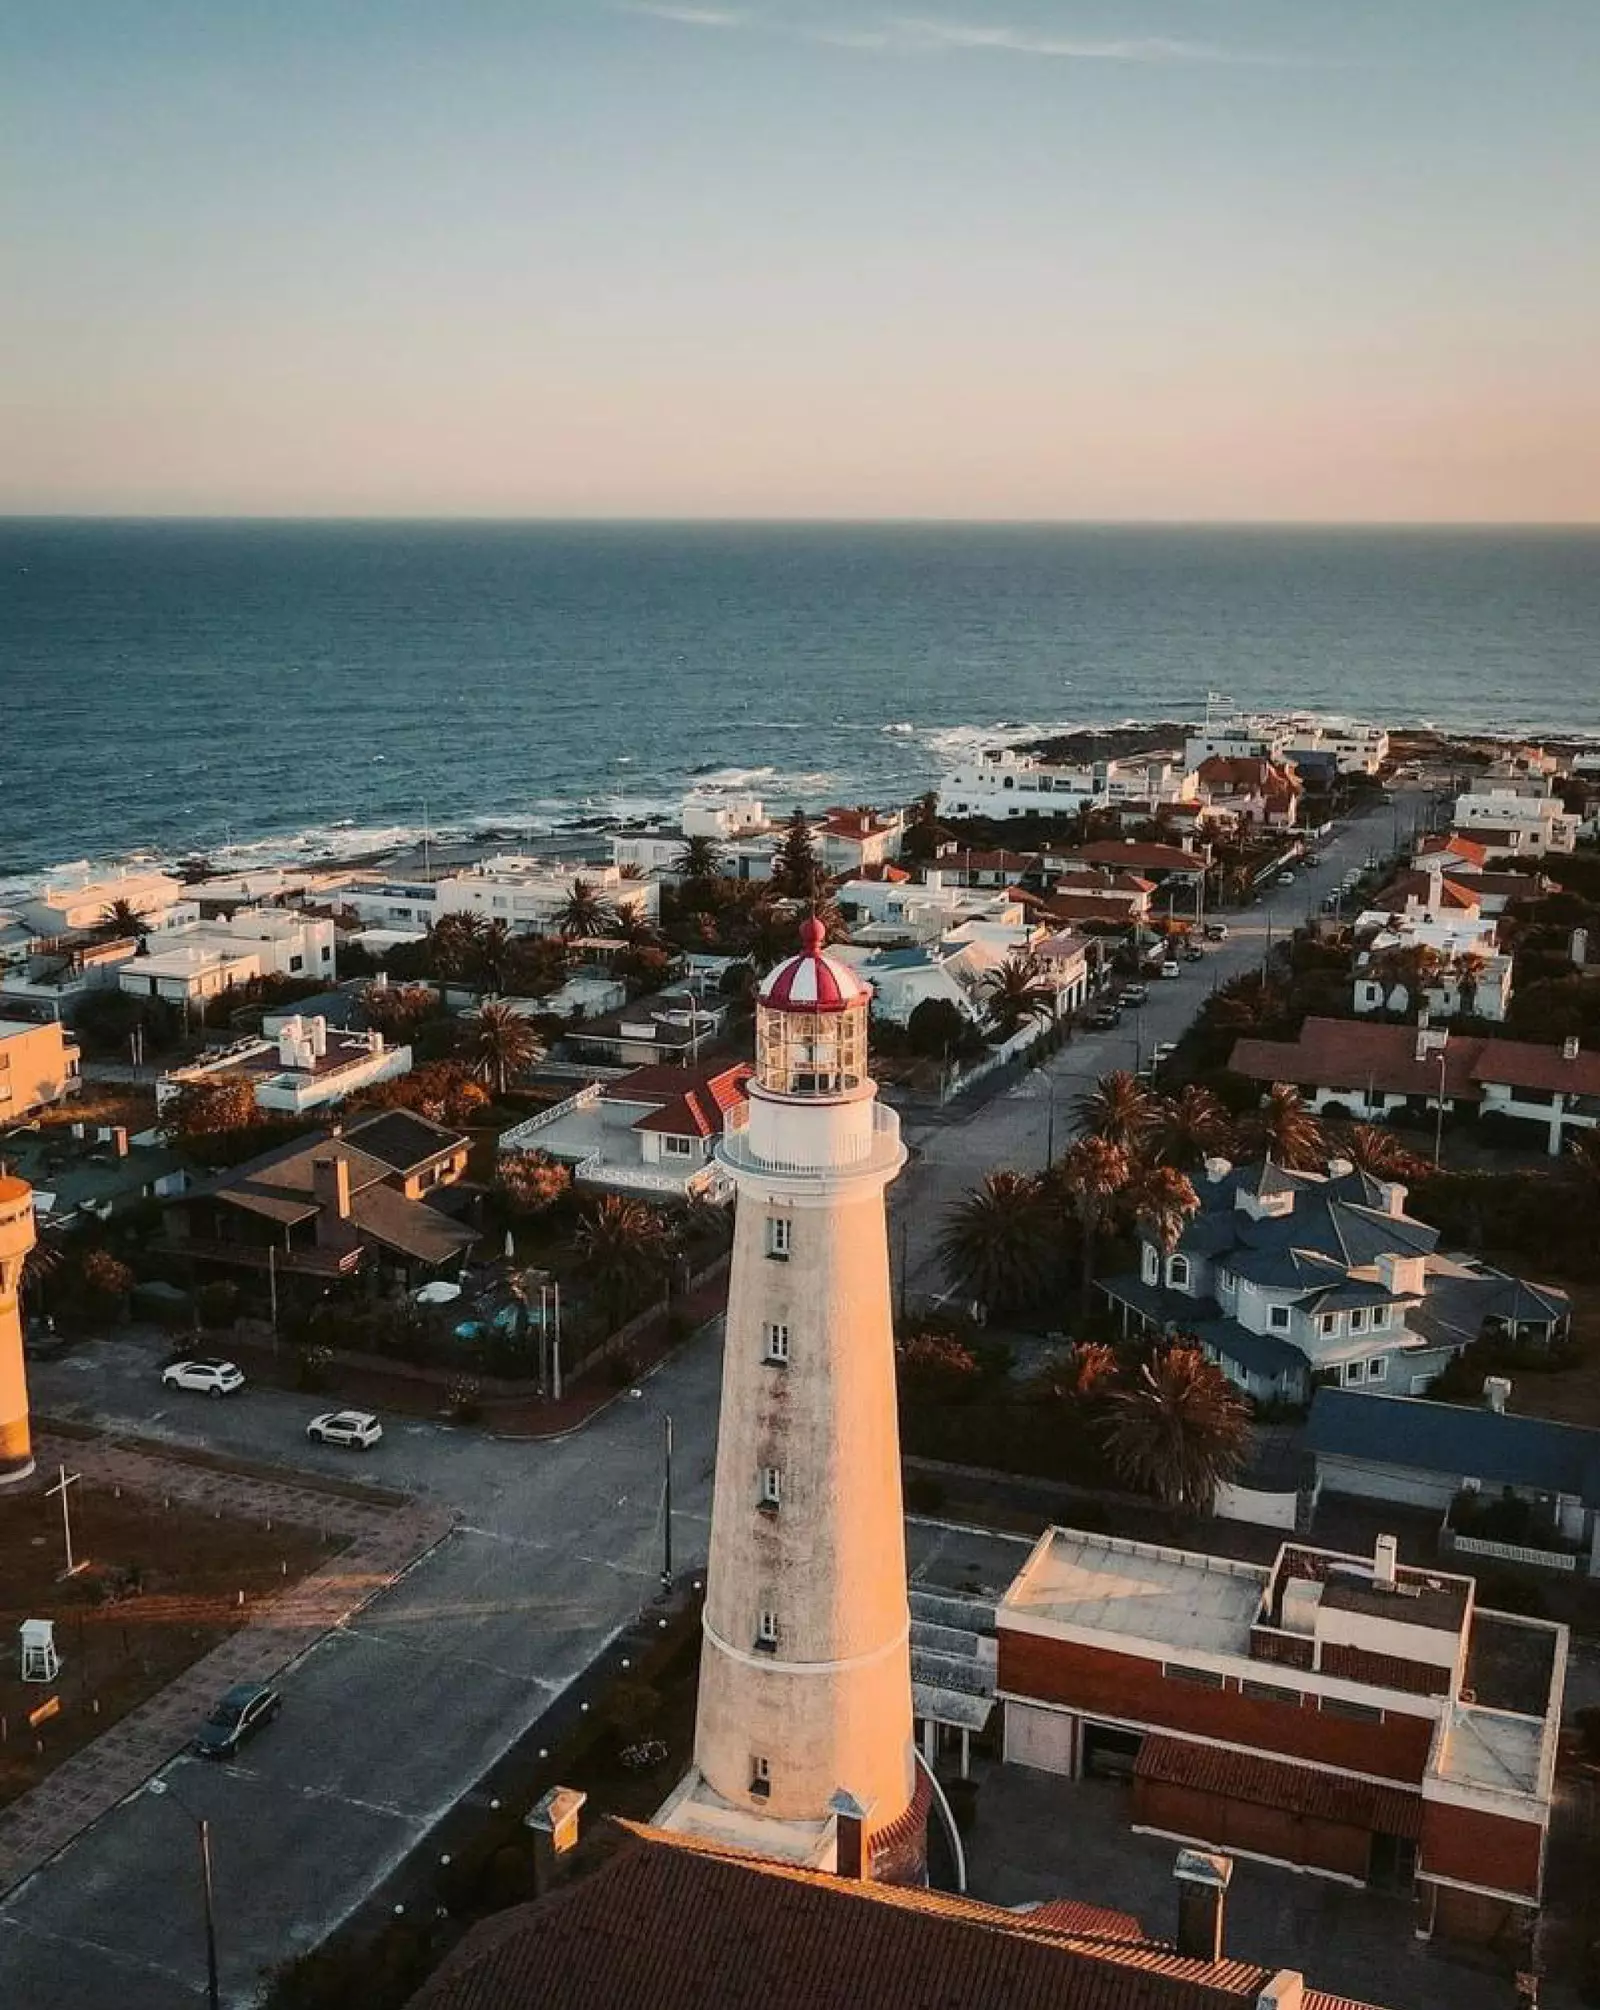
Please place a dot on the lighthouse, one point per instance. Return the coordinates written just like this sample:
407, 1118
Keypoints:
16, 1239
803, 1733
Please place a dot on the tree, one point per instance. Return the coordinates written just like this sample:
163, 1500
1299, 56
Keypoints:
1164, 1203
445, 1092
1285, 1131
453, 943
583, 913
996, 1244
1089, 1177
1119, 1109
1081, 1373
937, 1028
209, 1108
538, 965
121, 917
1410, 968
496, 952
531, 1182
1015, 992
700, 861
106, 1280
397, 1010
1373, 1150
1190, 1128
1177, 1429
501, 1044
933, 1368
796, 869
627, 1249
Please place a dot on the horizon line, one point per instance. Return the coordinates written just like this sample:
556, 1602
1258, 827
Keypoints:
704, 520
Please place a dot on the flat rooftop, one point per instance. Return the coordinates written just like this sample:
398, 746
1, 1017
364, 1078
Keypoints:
1495, 1749
1171, 1597
1440, 1604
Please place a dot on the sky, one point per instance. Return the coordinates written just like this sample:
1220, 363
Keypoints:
1281, 260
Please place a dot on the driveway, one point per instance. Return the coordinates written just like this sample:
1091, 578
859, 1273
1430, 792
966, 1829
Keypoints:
387, 1721
953, 1150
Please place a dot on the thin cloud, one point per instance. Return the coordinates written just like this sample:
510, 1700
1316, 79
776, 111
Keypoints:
688, 17
920, 35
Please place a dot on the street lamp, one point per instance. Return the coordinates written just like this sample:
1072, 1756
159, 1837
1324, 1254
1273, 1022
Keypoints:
1438, 1128
637, 1396
202, 1830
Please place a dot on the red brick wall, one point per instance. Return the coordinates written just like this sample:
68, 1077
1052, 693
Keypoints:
1479, 1848
1484, 1922
1243, 1825
1361, 1664
1127, 1687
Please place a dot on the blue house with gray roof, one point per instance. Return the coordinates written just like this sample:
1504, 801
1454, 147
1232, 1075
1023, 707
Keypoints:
1295, 1279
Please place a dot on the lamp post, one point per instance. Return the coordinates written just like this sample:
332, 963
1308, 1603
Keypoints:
1050, 1126
666, 1492
202, 1830
1438, 1128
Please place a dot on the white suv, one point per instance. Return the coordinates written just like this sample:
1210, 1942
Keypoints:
206, 1378
358, 1428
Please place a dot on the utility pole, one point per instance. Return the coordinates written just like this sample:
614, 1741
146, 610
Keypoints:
555, 1347
67, 1480
666, 1518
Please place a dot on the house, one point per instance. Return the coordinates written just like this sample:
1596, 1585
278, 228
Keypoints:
670, 1026
651, 1132
83, 1172
1003, 782
78, 903
38, 1067
1355, 746
1425, 943
1289, 1279
53, 975
882, 912
1428, 1455
851, 840
188, 960
994, 868
739, 827
1507, 823
1181, 867
675, 1922
304, 1065
1256, 789
527, 894
1368, 1070
1348, 1715
368, 1202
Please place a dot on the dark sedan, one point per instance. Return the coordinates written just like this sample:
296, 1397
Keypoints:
238, 1716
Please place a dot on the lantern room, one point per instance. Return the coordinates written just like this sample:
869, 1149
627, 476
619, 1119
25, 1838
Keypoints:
811, 1023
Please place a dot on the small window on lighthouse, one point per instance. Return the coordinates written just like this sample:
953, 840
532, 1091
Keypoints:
778, 1237
760, 1775
771, 1487
778, 1344
767, 1628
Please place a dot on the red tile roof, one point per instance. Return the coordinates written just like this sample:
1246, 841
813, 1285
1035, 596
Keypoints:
672, 1923
855, 824
689, 1105
1270, 1783
1525, 1064
1141, 856
1351, 1053
1457, 847
1418, 886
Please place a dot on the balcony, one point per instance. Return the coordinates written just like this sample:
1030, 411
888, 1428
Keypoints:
884, 1153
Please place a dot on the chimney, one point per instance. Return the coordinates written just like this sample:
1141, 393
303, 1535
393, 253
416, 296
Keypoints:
1340, 1168
330, 1183
119, 1141
1217, 1170
1392, 1197
318, 1028
1385, 1559
553, 1823
1569, 1047
851, 1853
1202, 1902
1286, 1991
1497, 1392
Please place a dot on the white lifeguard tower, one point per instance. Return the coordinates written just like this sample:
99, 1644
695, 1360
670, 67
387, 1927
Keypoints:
805, 1670
40, 1661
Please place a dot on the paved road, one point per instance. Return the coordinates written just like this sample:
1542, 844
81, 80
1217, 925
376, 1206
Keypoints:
387, 1721
954, 1150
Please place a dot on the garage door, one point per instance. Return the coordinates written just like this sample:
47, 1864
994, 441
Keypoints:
1384, 1483
1041, 1738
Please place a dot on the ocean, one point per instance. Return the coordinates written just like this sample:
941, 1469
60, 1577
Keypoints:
254, 690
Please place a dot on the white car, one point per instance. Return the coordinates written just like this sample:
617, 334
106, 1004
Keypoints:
206, 1378
1163, 1050
358, 1428
1171, 968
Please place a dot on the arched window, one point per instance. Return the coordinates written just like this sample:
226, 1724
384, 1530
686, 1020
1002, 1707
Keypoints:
1178, 1272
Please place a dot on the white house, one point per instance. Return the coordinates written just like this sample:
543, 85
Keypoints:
189, 960
299, 1066
525, 893
745, 837
652, 1132
882, 912
1002, 782
1507, 823
79, 901
852, 840
1430, 911
1356, 746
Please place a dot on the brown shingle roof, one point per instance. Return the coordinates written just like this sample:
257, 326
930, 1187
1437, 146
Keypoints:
1270, 1783
410, 1226
677, 1924
1351, 1053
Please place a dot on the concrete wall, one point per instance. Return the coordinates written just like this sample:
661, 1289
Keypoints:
1336, 1847
1256, 1504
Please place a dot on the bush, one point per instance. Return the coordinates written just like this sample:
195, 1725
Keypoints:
463, 1400
217, 1304
314, 1369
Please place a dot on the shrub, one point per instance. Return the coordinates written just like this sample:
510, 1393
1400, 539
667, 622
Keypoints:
217, 1304
935, 1368
463, 1400
314, 1368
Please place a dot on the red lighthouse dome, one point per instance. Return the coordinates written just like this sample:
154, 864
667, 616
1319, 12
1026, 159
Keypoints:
813, 981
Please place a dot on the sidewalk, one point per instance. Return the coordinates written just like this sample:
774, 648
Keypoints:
382, 1544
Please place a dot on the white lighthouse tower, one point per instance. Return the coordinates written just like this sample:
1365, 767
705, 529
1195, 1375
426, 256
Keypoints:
805, 1672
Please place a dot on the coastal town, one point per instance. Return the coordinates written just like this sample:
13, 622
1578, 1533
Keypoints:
794, 1348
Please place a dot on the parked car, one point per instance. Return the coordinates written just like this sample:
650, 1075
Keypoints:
1162, 1051
1133, 994
357, 1428
1216, 931
1172, 968
1193, 953
1312, 860
1103, 1017
238, 1715
1286, 879
206, 1378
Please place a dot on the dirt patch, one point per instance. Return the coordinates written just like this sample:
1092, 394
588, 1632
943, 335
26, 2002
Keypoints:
162, 1588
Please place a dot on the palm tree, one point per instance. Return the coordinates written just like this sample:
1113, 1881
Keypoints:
1285, 1131
121, 917
1178, 1429
1082, 1372
1467, 969
1410, 969
453, 942
631, 925
627, 1249
1089, 1177
1118, 1108
997, 1245
583, 912
1164, 1203
1190, 1128
1016, 993
501, 1044
1371, 1149
700, 859
495, 953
